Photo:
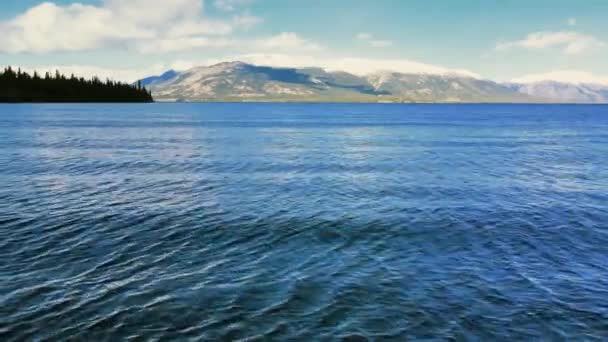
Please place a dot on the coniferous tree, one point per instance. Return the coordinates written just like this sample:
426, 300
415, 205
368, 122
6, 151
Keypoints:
19, 86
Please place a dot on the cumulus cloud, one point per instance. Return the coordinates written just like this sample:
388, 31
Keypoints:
357, 66
88, 71
380, 43
231, 5
184, 44
136, 24
286, 41
246, 21
566, 76
377, 43
568, 42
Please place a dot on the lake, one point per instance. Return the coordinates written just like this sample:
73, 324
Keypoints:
303, 222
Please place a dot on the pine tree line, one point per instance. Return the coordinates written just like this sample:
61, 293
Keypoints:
19, 86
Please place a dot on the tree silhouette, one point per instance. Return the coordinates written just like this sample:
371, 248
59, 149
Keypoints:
19, 86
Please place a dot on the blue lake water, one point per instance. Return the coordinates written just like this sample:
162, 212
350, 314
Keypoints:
303, 222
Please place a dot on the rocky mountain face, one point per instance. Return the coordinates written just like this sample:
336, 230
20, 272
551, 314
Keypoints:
150, 81
241, 81
443, 88
237, 81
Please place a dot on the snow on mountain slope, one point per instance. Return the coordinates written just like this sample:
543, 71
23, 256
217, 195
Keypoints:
564, 92
242, 81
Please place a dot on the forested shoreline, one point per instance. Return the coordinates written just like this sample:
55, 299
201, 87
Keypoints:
17, 86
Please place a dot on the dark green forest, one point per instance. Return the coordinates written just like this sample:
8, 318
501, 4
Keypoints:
18, 86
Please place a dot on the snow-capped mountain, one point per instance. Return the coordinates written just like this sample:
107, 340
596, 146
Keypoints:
564, 92
442, 88
241, 81
237, 81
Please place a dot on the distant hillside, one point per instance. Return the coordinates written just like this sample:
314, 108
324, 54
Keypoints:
564, 92
443, 88
18, 86
148, 81
237, 81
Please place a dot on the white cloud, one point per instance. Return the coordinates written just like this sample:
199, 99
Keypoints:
357, 66
364, 36
566, 76
380, 43
568, 42
286, 41
185, 44
87, 71
377, 43
196, 29
137, 24
231, 5
246, 21
571, 21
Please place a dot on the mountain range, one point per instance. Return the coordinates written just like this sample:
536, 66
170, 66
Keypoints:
238, 81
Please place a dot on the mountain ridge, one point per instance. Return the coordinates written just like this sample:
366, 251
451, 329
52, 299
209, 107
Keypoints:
239, 81
569, 92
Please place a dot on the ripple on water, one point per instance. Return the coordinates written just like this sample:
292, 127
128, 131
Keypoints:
382, 223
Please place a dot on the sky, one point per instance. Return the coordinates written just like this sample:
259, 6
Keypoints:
507, 40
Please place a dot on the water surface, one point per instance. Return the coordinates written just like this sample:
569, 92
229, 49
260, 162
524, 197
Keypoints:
300, 222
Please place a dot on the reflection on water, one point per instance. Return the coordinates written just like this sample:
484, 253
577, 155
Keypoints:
306, 222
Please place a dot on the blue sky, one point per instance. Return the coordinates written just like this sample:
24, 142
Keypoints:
502, 40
